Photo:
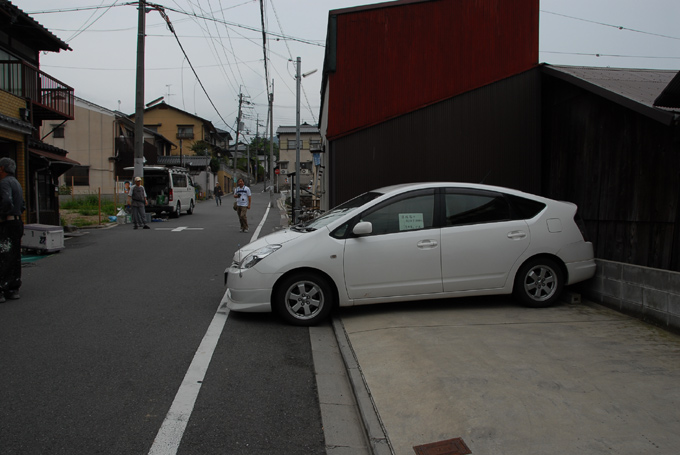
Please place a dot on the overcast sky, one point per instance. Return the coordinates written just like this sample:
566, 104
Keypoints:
223, 42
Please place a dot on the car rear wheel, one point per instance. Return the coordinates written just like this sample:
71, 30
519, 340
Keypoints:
177, 211
539, 283
191, 208
303, 299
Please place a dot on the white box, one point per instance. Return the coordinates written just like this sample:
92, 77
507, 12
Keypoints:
43, 237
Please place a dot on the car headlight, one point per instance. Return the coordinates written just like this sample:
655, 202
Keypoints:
257, 255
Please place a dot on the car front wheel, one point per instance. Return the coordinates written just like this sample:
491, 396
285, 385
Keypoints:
539, 283
303, 299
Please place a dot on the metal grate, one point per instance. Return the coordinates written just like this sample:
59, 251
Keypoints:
454, 446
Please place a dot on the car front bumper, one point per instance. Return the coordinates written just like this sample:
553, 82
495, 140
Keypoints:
248, 292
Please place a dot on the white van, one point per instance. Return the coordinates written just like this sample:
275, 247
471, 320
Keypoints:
169, 189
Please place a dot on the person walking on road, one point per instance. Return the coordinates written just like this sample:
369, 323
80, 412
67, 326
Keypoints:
243, 199
218, 194
137, 199
11, 230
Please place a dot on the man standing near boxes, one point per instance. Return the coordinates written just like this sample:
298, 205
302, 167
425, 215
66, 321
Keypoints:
137, 197
11, 230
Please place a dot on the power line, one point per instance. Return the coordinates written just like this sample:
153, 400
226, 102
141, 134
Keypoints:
586, 54
161, 10
619, 27
233, 24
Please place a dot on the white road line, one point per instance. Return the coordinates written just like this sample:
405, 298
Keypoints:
256, 234
170, 434
179, 229
172, 429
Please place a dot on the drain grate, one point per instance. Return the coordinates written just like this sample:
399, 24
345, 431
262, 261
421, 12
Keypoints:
454, 446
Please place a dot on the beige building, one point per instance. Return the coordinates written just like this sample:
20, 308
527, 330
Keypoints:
310, 139
102, 141
181, 127
89, 138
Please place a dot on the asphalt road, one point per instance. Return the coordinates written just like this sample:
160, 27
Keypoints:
93, 354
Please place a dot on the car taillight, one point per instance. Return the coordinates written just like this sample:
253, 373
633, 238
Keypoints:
170, 195
581, 226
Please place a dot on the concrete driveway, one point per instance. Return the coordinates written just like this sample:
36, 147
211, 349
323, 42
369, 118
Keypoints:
572, 379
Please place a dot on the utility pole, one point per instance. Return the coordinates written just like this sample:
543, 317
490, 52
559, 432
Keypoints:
139, 100
257, 146
238, 128
271, 136
298, 77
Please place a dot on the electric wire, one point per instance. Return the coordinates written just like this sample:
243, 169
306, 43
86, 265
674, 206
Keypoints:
161, 10
619, 27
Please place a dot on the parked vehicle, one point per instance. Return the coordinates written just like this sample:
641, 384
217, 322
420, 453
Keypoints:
414, 242
169, 190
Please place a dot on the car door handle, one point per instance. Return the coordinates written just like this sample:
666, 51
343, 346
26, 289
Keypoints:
427, 244
517, 235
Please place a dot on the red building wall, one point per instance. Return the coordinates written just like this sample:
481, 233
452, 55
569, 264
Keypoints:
396, 57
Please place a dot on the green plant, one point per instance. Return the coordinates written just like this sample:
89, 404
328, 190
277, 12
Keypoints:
88, 205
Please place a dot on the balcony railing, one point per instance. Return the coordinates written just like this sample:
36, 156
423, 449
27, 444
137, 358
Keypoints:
50, 98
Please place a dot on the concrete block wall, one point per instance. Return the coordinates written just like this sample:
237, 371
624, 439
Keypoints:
652, 295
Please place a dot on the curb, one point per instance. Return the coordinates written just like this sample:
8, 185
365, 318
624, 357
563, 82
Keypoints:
375, 430
373, 427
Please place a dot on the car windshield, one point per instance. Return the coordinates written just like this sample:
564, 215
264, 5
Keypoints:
339, 211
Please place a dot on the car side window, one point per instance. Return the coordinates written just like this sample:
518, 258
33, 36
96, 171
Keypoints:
179, 180
475, 208
409, 213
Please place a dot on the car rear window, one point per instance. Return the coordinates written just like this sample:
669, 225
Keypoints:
525, 208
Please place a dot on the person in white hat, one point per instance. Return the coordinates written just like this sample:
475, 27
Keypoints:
137, 199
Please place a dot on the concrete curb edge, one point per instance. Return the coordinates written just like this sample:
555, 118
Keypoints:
375, 431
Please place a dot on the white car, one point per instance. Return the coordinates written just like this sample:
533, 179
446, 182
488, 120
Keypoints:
414, 242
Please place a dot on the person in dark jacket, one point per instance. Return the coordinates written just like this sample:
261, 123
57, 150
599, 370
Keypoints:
11, 230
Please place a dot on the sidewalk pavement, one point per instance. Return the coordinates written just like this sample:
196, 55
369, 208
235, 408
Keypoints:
488, 376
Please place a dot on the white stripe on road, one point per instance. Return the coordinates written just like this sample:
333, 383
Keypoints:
172, 430
256, 234
170, 434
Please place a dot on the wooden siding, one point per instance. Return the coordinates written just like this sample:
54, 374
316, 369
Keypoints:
489, 134
395, 59
621, 168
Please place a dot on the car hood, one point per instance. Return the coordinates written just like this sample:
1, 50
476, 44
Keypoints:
275, 238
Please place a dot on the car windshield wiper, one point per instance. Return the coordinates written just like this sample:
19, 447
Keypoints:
302, 228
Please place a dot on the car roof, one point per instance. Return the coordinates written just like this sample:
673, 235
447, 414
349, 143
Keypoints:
403, 187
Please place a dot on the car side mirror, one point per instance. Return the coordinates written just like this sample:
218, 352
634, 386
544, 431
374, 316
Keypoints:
363, 228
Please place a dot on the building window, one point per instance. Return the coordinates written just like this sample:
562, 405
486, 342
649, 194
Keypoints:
315, 144
283, 165
185, 131
292, 144
78, 175
58, 131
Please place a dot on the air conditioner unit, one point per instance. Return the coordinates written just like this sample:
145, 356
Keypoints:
284, 171
304, 171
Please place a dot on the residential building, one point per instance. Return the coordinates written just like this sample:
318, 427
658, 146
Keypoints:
184, 128
29, 98
102, 141
310, 143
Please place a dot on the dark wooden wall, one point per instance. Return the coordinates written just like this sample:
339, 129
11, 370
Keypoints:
621, 168
490, 134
